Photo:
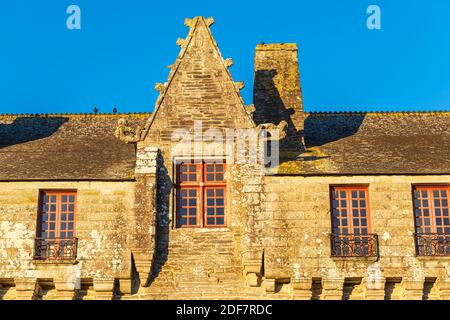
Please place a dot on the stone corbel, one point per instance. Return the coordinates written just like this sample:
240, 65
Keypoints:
253, 273
443, 288
413, 289
332, 289
26, 288
302, 289
127, 134
125, 286
104, 289
143, 260
374, 288
65, 290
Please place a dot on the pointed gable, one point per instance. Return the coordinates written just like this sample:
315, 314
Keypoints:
200, 87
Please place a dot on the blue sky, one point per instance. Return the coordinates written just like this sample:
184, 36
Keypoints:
124, 48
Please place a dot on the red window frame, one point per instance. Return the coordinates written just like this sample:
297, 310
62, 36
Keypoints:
200, 193
349, 208
432, 209
57, 214
351, 224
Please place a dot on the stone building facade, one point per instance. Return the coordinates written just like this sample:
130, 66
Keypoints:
108, 206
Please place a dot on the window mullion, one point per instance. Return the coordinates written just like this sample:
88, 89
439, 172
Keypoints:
432, 211
348, 193
58, 216
201, 195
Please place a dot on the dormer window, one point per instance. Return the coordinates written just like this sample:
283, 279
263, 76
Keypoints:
200, 192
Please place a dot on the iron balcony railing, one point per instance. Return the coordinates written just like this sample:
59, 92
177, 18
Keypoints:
432, 244
55, 249
351, 245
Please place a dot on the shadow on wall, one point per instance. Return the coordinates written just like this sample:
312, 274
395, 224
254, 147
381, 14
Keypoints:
320, 130
26, 129
161, 252
269, 108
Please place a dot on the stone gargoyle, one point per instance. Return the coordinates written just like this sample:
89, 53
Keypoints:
270, 127
127, 134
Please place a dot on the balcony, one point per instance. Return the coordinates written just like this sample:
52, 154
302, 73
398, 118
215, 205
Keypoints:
55, 249
432, 244
351, 245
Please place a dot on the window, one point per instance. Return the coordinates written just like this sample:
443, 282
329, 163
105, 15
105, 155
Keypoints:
200, 193
351, 223
56, 225
432, 220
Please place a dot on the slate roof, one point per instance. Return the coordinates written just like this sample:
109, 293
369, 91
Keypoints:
372, 143
65, 147
83, 147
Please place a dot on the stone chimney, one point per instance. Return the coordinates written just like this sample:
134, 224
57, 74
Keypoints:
277, 94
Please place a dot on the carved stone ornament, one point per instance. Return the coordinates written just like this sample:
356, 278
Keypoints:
239, 85
228, 62
276, 132
209, 21
127, 134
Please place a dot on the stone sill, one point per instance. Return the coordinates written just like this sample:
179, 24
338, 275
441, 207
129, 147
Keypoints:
201, 230
431, 258
55, 263
358, 259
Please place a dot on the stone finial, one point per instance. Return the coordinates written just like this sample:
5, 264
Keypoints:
239, 85
251, 109
127, 134
180, 42
160, 87
189, 22
209, 21
228, 62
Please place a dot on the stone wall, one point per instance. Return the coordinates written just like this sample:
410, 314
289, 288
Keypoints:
104, 221
299, 211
